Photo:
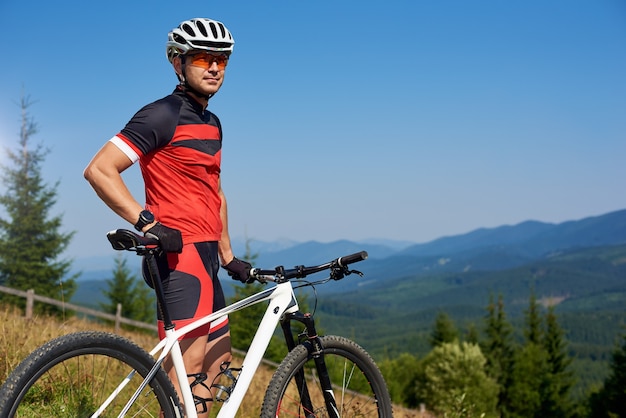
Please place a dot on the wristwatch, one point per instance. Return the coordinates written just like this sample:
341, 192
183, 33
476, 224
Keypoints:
145, 218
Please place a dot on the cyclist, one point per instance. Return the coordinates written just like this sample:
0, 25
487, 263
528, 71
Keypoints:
178, 145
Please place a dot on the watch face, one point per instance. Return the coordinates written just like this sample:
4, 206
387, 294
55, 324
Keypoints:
147, 216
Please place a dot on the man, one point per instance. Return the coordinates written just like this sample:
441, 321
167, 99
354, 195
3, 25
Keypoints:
177, 142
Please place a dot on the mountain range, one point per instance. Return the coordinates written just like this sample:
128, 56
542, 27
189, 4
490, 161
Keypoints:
484, 249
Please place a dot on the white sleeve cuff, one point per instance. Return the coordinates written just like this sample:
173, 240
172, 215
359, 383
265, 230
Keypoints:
125, 148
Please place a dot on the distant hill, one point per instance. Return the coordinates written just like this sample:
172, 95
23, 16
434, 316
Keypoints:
485, 249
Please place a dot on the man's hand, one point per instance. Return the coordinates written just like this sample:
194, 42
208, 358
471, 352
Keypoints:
171, 239
239, 270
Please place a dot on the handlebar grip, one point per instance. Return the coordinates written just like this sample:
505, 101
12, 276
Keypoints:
352, 258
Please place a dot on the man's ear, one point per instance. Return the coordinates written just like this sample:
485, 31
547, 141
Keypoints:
178, 66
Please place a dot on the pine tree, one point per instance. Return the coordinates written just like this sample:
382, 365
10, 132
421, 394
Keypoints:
444, 331
530, 367
528, 380
131, 292
498, 350
30, 241
472, 335
610, 401
144, 303
533, 321
560, 379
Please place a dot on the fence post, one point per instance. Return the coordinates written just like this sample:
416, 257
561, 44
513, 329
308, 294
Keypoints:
118, 317
30, 302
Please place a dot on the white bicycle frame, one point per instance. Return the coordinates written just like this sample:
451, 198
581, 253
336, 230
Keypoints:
281, 300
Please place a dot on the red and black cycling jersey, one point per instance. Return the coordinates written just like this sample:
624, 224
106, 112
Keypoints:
178, 145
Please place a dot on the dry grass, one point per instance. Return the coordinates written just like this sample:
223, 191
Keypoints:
19, 337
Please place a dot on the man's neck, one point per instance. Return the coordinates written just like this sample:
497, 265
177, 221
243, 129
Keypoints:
203, 101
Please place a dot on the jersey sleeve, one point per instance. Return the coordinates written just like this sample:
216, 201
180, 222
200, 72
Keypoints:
152, 127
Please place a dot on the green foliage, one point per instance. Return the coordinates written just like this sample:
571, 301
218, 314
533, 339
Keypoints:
588, 285
444, 331
30, 241
401, 374
532, 331
243, 324
498, 349
559, 379
452, 382
527, 380
610, 400
136, 298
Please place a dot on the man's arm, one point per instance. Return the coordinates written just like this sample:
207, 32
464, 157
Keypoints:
224, 246
104, 174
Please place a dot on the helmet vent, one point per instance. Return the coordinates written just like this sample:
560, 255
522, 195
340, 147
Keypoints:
180, 39
213, 29
201, 27
187, 28
223, 30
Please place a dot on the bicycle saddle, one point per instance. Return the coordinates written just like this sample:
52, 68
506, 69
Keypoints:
123, 239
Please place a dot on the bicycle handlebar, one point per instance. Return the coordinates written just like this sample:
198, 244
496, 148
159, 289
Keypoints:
337, 267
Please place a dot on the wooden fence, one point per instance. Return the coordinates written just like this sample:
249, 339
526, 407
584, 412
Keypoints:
118, 319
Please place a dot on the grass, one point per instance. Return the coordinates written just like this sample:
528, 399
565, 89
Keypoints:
19, 337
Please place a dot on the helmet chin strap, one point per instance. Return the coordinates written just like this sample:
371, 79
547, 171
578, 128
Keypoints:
187, 86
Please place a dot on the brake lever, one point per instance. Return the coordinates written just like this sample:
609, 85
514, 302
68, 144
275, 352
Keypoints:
339, 272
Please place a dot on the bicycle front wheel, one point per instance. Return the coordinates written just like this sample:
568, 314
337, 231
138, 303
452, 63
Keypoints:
73, 375
358, 385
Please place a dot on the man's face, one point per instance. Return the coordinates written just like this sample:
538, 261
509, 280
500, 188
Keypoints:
205, 71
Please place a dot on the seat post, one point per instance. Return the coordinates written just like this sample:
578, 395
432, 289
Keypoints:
157, 284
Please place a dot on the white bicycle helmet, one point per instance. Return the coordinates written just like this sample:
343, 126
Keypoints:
199, 34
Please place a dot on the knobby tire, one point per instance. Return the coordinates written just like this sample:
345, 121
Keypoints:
359, 387
72, 375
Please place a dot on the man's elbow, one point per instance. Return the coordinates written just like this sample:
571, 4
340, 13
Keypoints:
88, 173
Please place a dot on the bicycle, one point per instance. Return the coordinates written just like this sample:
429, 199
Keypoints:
96, 373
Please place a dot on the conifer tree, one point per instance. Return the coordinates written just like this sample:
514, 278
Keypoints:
528, 380
555, 395
498, 350
131, 292
472, 335
610, 401
533, 321
530, 367
31, 243
444, 331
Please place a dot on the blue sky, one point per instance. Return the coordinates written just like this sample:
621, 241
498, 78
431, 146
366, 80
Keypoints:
406, 120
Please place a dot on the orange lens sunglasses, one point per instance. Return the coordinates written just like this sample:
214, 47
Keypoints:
206, 60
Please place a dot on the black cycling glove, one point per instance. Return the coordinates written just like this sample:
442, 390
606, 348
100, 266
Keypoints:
171, 239
239, 270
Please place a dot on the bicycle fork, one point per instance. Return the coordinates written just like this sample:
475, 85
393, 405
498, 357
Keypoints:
312, 342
